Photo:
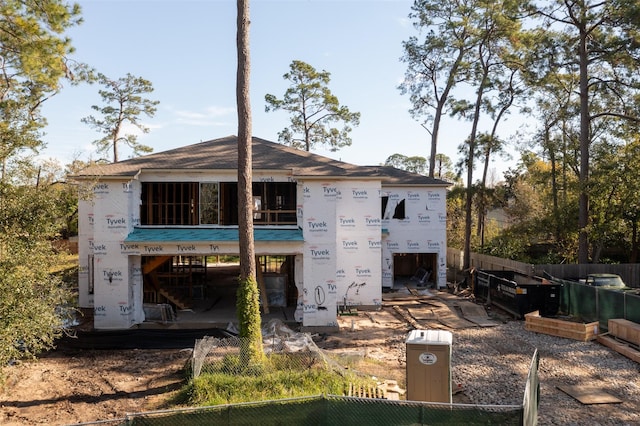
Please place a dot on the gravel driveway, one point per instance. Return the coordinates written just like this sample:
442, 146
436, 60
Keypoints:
490, 365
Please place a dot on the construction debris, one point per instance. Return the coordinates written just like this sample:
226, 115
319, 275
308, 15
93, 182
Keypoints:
623, 337
588, 395
441, 310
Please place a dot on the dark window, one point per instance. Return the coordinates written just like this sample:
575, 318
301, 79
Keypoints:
391, 211
274, 203
399, 213
169, 203
228, 203
385, 201
215, 203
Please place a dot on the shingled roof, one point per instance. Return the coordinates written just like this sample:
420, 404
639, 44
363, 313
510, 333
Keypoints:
222, 154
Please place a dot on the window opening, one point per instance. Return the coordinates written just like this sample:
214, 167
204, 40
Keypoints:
209, 203
215, 203
277, 203
169, 203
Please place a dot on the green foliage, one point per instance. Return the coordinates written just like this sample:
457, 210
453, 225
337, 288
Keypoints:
34, 303
235, 364
436, 63
539, 221
223, 258
455, 217
576, 193
281, 377
444, 169
314, 110
594, 45
415, 164
35, 60
50, 177
33, 48
475, 43
124, 103
509, 245
615, 183
248, 311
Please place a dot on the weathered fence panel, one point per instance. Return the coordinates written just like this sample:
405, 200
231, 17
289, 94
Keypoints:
630, 272
455, 259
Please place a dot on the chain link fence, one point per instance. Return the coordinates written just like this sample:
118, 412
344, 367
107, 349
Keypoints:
284, 349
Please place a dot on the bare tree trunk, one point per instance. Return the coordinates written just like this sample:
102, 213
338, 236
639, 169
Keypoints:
115, 150
597, 252
248, 295
634, 242
468, 219
245, 198
442, 102
585, 138
116, 137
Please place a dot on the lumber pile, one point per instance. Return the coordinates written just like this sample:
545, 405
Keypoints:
389, 389
626, 330
561, 328
623, 337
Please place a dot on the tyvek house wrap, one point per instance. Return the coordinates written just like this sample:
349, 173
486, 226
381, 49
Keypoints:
118, 287
414, 221
341, 225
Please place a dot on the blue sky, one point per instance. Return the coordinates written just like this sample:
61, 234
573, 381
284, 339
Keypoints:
187, 49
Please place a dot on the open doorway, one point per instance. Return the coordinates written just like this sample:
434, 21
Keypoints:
208, 284
415, 269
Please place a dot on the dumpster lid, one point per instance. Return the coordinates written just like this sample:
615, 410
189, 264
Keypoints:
431, 337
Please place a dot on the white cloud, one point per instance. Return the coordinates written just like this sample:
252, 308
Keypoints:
213, 115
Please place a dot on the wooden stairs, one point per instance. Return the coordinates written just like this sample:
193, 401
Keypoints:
155, 263
149, 270
173, 297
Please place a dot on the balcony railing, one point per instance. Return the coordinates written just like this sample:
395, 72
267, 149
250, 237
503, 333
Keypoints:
274, 217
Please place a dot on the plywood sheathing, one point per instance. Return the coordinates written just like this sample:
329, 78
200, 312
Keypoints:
588, 395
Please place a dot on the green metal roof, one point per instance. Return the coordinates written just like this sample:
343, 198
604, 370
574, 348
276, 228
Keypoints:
160, 235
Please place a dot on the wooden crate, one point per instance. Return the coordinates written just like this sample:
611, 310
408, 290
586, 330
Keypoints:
626, 330
561, 328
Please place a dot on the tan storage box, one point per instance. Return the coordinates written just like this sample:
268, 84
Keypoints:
561, 328
429, 365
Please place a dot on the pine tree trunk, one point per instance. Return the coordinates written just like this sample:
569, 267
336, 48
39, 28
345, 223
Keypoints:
585, 140
248, 307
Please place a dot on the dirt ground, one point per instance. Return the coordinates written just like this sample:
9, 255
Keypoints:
66, 387
71, 386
